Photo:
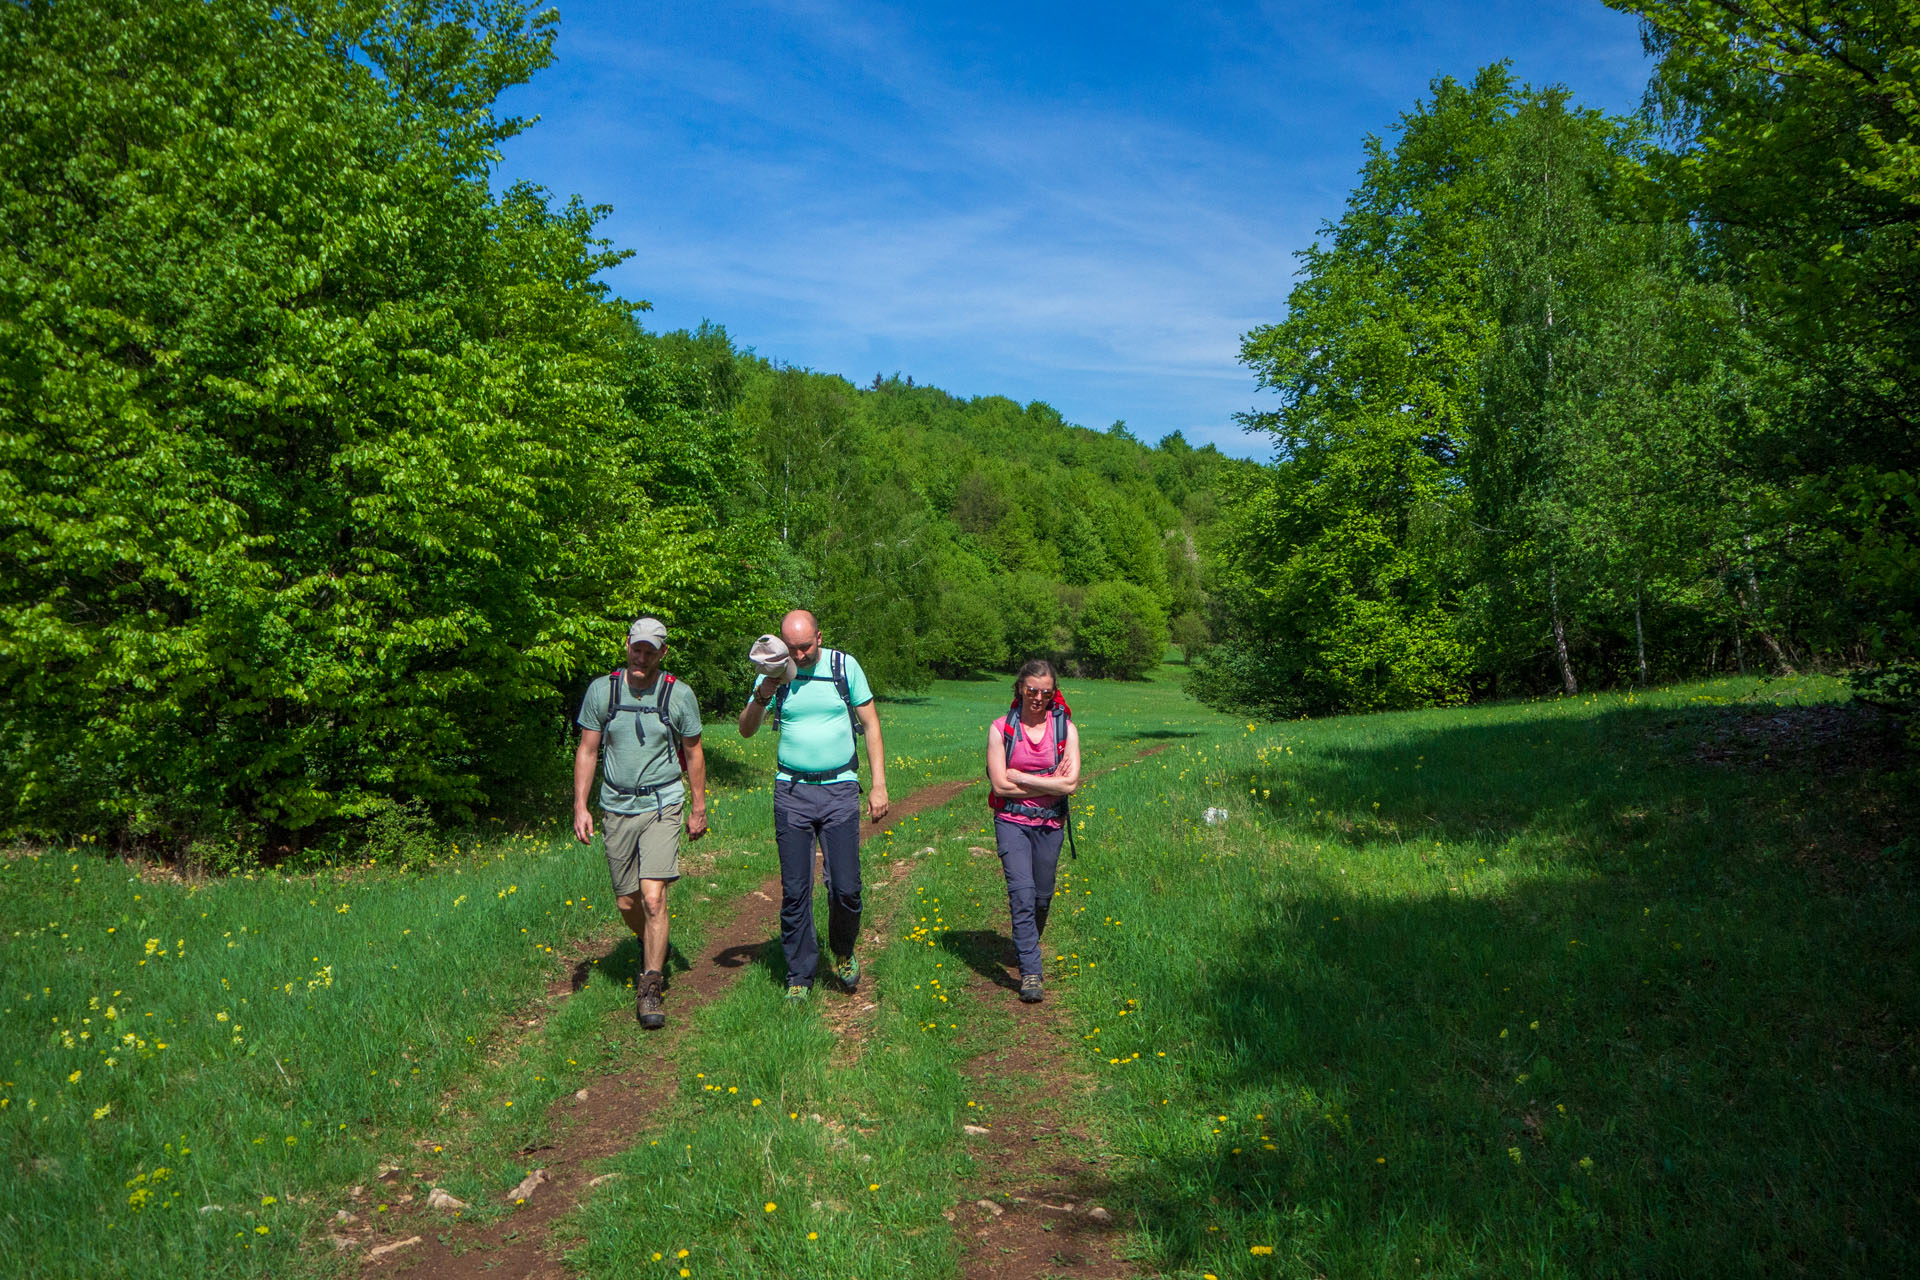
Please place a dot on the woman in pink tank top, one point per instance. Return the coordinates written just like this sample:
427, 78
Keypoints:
1033, 765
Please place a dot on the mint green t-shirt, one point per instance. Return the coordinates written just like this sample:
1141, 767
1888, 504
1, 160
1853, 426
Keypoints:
815, 733
625, 758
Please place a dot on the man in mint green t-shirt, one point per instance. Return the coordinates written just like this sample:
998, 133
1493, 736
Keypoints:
637, 725
821, 716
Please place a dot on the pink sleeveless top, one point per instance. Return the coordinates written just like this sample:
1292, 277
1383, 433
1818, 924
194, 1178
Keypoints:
1030, 759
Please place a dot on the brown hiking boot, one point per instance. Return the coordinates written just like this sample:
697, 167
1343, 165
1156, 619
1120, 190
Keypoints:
646, 1002
1030, 992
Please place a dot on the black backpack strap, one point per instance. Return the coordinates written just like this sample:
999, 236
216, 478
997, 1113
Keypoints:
613, 697
663, 707
840, 683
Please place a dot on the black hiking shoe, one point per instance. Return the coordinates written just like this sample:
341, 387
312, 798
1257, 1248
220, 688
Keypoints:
646, 1001
1030, 988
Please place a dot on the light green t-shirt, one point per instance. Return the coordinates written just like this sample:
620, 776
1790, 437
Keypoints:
815, 733
625, 758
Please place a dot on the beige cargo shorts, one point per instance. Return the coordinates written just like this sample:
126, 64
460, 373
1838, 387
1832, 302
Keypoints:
641, 846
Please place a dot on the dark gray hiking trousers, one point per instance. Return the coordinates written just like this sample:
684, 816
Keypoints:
828, 813
1030, 856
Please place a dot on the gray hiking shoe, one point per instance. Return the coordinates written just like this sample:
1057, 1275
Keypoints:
848, 971
1030, 988
646, 1001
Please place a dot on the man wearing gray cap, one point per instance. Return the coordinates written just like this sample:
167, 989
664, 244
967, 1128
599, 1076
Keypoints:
641, 726
822, 707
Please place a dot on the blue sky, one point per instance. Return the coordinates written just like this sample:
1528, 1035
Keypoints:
1079, 204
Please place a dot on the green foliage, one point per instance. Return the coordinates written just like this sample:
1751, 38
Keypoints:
1895, 686
402, 834
331, 476
1034, 621
1120, 631
315, 510
964, 631
1189, 632
1512, 413
1796, 151
924, 552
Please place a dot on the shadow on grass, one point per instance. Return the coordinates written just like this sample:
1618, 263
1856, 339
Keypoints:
1611, 786
1668, 1025
765, 956
725, 769
617, 963
1157, 734
987, 953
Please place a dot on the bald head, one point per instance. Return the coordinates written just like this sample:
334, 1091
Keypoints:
799, 629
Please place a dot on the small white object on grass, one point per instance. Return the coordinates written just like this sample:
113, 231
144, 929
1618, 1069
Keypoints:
1214, 817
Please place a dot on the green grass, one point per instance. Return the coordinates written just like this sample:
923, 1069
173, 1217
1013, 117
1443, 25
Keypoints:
258, 1043
292, 1034
1614, 985
1519, 990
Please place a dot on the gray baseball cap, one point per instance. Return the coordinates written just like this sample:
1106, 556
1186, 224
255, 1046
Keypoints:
648, 631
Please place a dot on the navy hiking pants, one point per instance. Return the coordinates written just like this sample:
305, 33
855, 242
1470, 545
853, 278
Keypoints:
827, 813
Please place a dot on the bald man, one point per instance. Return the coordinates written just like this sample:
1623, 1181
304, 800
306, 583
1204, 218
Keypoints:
816, 794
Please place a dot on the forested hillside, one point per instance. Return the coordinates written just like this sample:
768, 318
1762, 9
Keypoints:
940, 536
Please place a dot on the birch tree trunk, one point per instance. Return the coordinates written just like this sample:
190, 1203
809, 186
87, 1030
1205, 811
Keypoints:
1567, 681
1639, 638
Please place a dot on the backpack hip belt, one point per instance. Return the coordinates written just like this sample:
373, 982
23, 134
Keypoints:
818, 775
1054, 811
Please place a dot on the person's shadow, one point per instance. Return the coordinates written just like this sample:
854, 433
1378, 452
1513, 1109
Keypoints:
989, 954
766, 956
619, 960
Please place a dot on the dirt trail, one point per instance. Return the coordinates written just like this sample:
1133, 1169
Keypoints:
1049, 1216
616, 1109
1037, 1207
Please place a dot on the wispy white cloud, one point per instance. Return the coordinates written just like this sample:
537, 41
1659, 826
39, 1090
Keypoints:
847, 190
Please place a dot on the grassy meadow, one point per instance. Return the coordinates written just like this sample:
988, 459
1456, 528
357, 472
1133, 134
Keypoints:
1611, 985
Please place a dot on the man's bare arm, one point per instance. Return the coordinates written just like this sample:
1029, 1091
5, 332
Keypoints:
586, 759
876, 762
756, 709
697, 784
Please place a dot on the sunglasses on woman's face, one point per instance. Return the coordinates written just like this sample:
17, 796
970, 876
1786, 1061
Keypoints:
1032, 692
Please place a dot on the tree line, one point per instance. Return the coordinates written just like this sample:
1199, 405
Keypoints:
1566, 400
329, 476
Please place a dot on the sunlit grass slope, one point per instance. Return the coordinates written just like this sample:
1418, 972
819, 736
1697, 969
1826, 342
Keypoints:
1560, 988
